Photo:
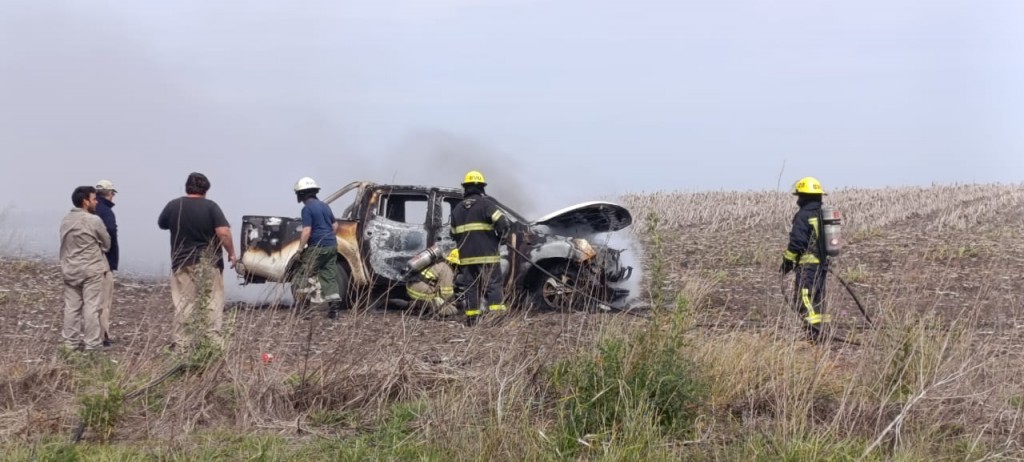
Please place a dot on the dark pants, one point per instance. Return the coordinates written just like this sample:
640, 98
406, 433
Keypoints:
810, 294
320, 263
477, 279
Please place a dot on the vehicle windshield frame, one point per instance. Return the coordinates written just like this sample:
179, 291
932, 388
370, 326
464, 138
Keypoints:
359, 186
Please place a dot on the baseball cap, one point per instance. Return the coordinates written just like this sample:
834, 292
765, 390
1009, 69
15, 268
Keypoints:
105, 185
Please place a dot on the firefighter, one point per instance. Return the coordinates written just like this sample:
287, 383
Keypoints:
432, 289
806, 254
479, 227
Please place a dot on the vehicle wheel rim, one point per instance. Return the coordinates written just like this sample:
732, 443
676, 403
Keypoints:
555, 294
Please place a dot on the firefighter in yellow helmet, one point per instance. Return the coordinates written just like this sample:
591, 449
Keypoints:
479, 226
432, 289
806, 254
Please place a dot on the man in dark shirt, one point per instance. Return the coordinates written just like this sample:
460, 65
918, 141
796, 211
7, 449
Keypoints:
105, 192
199, 232
479, 227
319, 260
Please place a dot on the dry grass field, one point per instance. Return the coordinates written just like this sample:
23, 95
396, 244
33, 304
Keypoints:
717, 371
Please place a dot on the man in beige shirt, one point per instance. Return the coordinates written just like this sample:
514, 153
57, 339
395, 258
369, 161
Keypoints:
86, 273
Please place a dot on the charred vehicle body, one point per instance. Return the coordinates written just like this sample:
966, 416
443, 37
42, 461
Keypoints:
549, 262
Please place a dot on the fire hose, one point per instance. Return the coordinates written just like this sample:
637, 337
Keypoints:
856, 300
849, 290
76, 434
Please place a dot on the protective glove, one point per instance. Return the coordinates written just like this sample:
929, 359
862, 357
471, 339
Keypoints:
787, 266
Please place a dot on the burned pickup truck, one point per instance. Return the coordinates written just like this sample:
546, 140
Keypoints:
549, 263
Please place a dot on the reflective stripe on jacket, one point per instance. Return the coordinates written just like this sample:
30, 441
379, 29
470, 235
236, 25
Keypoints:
804, 237
478, 226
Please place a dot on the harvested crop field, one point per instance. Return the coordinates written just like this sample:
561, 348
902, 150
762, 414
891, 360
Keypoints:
940, 270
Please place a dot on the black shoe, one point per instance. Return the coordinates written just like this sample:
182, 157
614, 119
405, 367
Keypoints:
814, 335
333, 307
472, 320
106, 343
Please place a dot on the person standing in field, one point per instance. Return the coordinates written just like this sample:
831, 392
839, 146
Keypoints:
479, 227
84, 270
318, 259
105, 192
806, 254
199, 235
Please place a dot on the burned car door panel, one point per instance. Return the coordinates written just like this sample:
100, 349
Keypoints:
270, 246
391, 244
396, 230
383, 226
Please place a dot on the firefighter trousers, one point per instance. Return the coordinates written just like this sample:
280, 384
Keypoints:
483, 279
810, 294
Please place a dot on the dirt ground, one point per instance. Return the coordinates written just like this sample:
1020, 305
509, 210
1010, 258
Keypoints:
953, 251
953, 254
31, 308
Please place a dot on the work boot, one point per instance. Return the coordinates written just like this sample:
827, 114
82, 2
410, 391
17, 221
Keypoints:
814, 334
447, 310
472, 320
333, 308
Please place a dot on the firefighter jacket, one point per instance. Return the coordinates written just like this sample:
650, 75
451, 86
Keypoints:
478, 226
806, 246
435, 284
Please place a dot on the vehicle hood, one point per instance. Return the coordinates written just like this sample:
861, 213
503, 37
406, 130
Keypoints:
587, 218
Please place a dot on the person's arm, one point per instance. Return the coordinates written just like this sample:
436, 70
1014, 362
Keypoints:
107, 216
799, 236
101, 233
223, 231
226, 241
501, 223
164, 221
307, 227
334, 221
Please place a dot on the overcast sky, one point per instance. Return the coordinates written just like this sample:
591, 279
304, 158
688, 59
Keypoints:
555, 101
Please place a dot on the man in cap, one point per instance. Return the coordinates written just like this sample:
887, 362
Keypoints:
105, 192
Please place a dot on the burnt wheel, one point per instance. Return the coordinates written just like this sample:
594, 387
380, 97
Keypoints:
567, 290
343, 281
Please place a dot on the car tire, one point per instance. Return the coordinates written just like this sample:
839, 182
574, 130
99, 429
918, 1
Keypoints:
343, 283
548, 295
578, 294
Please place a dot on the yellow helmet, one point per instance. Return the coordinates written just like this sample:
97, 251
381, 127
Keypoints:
474, 177
453, 257
808, 185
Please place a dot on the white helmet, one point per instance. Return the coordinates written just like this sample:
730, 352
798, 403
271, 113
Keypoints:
305, 183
